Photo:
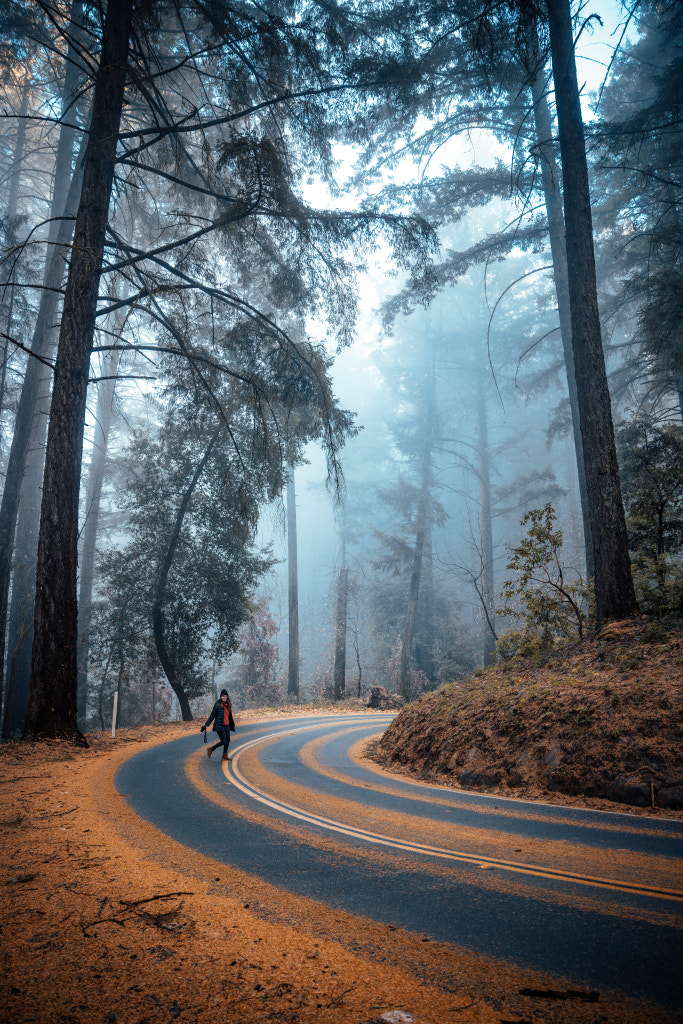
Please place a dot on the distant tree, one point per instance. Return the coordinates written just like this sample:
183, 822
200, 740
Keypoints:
293, 591
258, 675
407, 550
478, 52
638, 164
440, 649
485, 583
122, 657
340, 625
423, 522
480, 452
96, 473
651, 457
188, 572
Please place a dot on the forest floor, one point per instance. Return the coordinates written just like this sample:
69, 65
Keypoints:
596, 724
104, 920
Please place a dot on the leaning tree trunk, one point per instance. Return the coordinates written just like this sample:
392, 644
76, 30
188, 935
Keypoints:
614, 592
53, 696
167, 663
550, 180
293, 675
105, 402
341, 608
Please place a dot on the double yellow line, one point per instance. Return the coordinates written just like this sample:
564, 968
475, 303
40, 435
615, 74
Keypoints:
232, 770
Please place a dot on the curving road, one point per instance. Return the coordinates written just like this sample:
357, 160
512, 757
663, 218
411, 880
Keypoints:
592, 896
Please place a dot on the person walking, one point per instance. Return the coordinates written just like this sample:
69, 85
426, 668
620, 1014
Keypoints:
223, 724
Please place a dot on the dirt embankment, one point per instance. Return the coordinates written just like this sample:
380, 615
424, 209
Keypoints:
600, 721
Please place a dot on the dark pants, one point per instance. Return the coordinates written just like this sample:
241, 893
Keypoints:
223, 734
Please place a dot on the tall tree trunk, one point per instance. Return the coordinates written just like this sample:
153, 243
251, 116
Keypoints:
28, 437
614, 592
52, 701
20, 630
341, 608
20, 615
105, 402
119, 691
486, 528
550, 180
293, 674
423, 513
414, 592
167, 662
10, 213
18, 155
424, 651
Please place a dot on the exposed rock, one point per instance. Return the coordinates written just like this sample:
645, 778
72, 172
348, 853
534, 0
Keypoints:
382, 699
671, 797
553, 754
625, 791
479, 779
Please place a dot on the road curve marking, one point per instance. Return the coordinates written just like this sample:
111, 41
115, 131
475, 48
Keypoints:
232, 770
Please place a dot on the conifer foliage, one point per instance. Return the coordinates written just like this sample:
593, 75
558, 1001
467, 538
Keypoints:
161, 225
207, 115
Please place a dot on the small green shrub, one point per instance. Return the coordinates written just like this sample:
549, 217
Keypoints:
549, 599
659, 584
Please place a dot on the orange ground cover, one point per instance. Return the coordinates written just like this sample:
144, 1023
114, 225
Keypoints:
105, 920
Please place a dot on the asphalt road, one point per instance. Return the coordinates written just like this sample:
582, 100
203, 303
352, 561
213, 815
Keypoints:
594, 897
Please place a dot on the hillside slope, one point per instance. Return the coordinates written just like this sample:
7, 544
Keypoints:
601, 720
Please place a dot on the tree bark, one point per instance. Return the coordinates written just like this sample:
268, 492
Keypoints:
20, 614
293, 674
52, 707
105, 403
614, 593
31, 451
167, 662
28, 437
550, 180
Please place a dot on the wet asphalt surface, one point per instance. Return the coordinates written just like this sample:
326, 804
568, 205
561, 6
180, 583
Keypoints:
537, 926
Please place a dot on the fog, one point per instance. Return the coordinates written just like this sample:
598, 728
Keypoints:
359, 272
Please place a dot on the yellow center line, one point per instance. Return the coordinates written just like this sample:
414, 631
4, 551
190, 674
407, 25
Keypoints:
232, 770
